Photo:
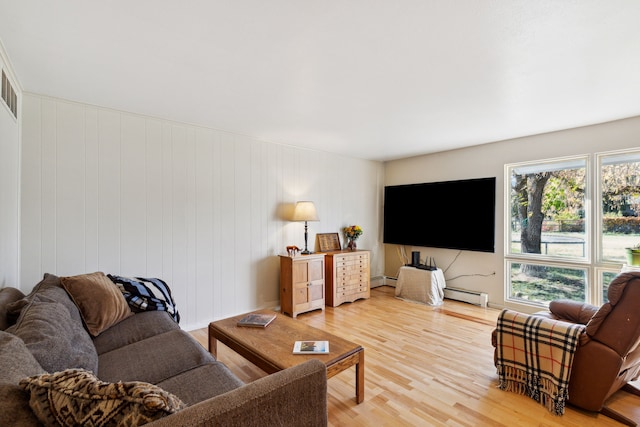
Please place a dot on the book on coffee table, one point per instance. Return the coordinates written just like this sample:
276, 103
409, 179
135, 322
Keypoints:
311, 347
256, 320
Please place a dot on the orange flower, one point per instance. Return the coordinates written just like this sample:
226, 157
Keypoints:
352, 232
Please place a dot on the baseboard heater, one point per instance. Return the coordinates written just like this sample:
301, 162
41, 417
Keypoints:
376, 281
471, 297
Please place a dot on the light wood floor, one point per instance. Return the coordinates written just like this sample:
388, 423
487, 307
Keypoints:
425, 366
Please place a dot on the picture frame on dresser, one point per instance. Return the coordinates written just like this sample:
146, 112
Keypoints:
328, 242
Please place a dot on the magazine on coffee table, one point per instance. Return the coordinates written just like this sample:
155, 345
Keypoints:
311, 347
256, 320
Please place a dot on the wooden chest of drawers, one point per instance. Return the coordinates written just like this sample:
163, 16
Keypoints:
347, 276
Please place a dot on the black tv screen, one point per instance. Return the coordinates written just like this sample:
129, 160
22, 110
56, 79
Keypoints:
451, 214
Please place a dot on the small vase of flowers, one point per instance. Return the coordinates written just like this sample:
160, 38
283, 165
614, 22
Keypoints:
352, 233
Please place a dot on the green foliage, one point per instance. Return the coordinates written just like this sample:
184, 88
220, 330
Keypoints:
567, 216
558, 283
554, 200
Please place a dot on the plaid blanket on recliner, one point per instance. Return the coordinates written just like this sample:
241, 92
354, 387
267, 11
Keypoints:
534, 357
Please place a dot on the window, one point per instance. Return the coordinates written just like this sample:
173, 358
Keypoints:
555, 249
547, 221
607, 277
9, 95
619, 191
547, 212
540, 284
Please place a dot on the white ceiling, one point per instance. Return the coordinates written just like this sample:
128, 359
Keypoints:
374, 79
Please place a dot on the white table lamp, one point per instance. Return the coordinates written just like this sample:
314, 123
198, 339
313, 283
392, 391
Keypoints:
305, 211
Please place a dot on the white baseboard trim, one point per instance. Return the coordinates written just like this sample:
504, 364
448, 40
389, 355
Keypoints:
377, 281
464, 295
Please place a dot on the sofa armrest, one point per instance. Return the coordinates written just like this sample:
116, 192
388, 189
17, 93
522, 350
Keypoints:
572, 311
296, 396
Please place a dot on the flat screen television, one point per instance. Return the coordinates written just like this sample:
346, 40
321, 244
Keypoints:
450, 214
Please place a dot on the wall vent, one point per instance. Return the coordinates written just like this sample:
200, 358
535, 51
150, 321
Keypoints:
9, 95
472, 297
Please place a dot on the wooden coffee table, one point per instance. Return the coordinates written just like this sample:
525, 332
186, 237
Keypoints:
271, 348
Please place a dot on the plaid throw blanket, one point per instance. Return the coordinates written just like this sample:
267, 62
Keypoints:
534, 357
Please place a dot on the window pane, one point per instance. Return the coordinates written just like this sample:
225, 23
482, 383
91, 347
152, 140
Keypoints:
620, 188
542, 284
607, 277
547, 209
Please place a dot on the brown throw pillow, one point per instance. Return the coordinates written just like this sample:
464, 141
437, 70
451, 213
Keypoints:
77, 397
101, 303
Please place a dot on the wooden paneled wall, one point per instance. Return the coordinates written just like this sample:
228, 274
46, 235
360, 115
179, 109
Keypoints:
9, 181
206, 210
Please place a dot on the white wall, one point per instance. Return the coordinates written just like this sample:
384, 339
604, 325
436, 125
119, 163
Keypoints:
206, 210
474, 270
9, 182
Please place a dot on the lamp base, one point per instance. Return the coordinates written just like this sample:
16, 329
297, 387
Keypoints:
306, 251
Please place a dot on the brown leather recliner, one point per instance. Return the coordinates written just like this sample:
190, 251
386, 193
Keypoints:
608, 355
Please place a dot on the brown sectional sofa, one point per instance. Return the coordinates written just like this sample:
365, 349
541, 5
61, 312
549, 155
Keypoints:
43, 332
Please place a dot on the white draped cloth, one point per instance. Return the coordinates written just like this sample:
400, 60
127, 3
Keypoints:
425, 286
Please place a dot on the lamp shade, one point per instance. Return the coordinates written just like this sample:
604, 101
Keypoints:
305, 211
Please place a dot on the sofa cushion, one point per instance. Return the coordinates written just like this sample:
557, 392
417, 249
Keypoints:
48, 281
154, 359
7, 297
212, 379
133, 329
16, 363
56, 340
51, 288
147, 294
101, 303
76, 397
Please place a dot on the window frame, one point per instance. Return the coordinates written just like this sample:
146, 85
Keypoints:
594, 262
590, 287
599, 215
588, 215
585, 262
